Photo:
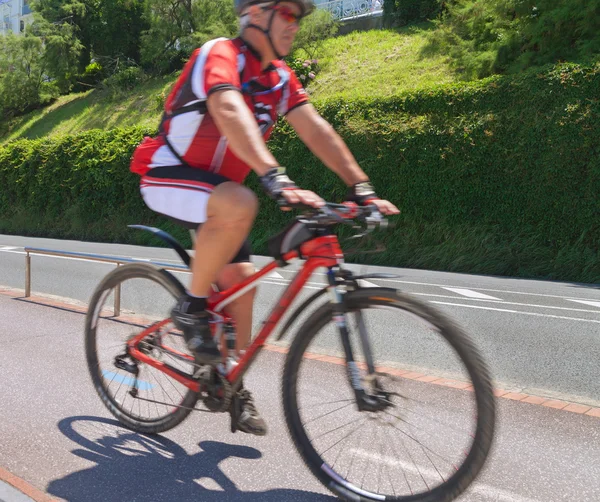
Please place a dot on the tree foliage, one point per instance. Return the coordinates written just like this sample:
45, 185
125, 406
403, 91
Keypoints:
66, 23
314, 30
22, 69
401, 12
177, 27
495, 36
108, 31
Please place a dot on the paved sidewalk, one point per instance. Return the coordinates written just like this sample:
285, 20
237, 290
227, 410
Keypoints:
15, 489
9, 493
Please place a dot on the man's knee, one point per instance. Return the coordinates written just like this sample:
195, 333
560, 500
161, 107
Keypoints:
232, 201
234, 273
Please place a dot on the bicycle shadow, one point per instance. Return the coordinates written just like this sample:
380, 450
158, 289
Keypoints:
130, 466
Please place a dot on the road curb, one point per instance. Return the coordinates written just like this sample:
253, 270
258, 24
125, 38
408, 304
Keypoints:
513, 395
24, 487
557, 404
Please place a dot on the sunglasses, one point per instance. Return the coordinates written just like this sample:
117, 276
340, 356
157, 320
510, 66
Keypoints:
287, 14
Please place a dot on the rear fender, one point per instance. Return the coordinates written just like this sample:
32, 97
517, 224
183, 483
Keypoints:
169, 239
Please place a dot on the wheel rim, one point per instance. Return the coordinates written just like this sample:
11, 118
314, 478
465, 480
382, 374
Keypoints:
423, 445
145, 302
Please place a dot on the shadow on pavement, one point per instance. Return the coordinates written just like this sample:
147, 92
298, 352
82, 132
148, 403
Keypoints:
134, 467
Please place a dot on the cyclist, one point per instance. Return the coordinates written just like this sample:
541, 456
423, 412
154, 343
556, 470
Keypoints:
216, 121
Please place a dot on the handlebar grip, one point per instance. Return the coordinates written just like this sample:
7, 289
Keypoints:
281, 202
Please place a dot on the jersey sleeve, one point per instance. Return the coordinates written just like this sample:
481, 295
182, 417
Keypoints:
295, 97
219, 68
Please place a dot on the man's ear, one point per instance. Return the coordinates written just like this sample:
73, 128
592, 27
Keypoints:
254, 11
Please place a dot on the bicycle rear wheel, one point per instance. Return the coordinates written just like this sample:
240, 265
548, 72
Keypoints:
434, 431
140, 396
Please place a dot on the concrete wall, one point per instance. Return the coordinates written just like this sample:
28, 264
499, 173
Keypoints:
362, 23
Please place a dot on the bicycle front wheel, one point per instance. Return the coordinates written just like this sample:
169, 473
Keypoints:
433, 430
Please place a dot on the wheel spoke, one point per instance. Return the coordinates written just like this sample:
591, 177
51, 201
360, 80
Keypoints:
422, 432
326, 414
423, 446
344, 438
147, 293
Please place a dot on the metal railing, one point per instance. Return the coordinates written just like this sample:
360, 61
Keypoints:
118, 260
344, 9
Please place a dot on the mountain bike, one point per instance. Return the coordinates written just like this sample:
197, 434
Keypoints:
384, 397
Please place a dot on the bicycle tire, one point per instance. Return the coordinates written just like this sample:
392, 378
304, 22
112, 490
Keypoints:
109, 282
460, 342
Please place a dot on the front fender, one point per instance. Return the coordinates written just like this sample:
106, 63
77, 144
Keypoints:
318, 294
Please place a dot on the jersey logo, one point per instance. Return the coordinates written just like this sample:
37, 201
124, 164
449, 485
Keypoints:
262, 112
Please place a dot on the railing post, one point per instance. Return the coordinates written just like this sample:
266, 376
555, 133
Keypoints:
117, 307
27, 275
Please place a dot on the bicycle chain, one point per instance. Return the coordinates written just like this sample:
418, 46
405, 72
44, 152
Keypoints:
217, 405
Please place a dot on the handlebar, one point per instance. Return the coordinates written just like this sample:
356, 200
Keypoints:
365, 217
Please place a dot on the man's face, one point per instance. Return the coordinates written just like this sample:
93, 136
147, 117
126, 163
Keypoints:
284, 27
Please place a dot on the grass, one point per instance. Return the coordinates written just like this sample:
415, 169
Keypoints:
375, 63
380, 63
97, 109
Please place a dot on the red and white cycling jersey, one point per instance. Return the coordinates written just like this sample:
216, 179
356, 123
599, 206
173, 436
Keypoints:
188, 127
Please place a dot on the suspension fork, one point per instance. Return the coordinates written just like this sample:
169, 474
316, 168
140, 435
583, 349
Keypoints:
363, 400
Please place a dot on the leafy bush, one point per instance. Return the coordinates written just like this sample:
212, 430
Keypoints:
401, 12
125, 79
305, 70
314, 30
499, 176
92, 76
483, 37
22, 68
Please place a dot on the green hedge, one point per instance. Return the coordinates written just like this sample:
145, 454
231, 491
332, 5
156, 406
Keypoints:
500, 176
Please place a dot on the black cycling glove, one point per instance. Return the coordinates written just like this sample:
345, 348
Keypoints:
362, 193
275, 182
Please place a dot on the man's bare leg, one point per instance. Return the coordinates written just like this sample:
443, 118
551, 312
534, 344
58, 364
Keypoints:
231, 209
241, 308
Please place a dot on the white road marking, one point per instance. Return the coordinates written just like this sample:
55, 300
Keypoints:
285, 283
570, 309
585, 302
562, 297
488, 492
366, 284
516, 312
417, 283
480, 296
471, 294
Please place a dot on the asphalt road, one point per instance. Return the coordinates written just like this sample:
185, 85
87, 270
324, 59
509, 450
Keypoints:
57, 435
539, 337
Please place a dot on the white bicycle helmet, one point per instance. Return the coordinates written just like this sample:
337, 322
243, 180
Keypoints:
307, 6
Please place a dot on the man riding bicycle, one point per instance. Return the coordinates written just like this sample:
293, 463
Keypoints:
216, 121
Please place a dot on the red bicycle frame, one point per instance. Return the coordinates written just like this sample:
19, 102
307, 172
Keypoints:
324, 251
